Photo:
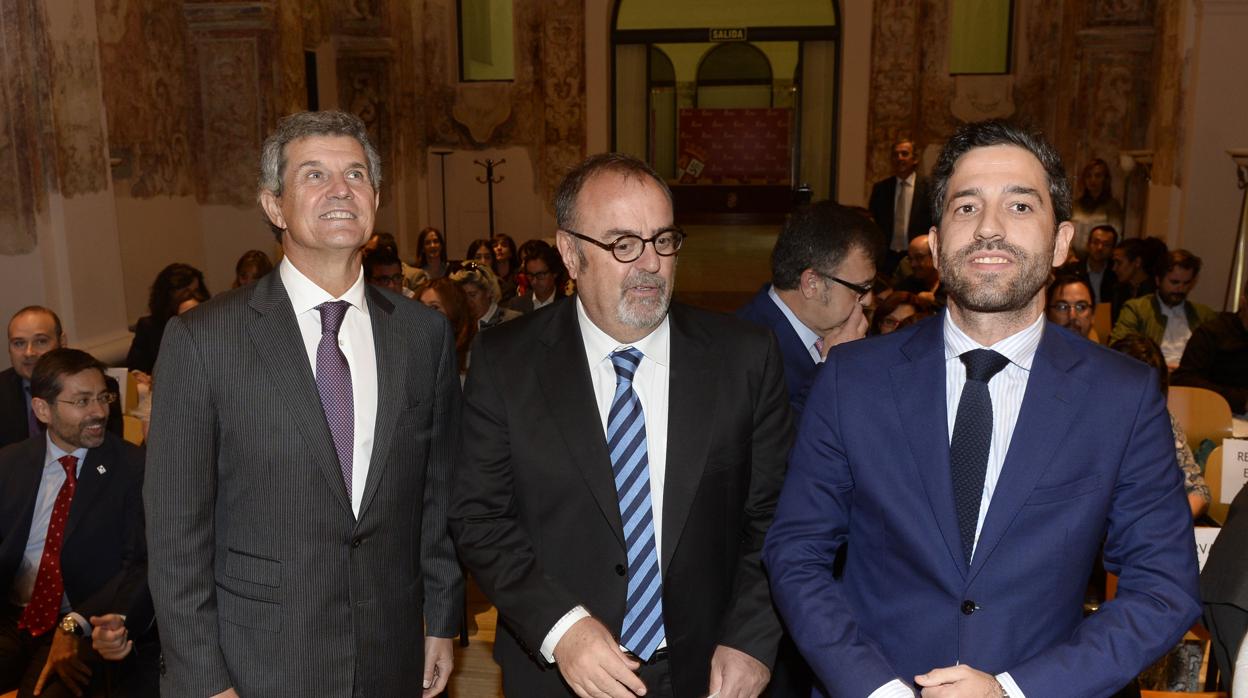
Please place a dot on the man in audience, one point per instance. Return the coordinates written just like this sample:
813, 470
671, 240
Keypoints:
1097, 267
901, 204
543, 272
383, 268
300, 457
1166, 317
71, 534
1216, 357
620, 464
822, 267
1009, 486
1132, 271
924, 279
1070, 304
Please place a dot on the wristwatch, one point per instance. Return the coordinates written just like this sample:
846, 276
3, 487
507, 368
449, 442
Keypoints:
1004, 693
69, 625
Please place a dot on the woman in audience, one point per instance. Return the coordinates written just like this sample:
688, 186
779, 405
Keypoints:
506, 264
1146, 350
174, 286
1095, 206
431, 253
896, 312
446, 297
480, 285
251, 266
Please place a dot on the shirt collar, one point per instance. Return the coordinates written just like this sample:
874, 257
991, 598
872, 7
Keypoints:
804, 333
599, 345
909, 180
1019, 348
55, 453
306, 295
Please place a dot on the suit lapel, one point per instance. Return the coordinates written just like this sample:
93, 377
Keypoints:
275, 334
919, 392
28, 473
92, 483
569, 393
1046, 414
690, 403
388, 342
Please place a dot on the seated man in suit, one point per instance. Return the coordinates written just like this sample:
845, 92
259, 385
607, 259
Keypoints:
71, 534
901, 204
545, 274
971, 480
1097, 267
1070, 304
821, 272
1166, 317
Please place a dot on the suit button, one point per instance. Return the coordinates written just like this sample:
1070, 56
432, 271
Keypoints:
620, 570
969, 607
355, 542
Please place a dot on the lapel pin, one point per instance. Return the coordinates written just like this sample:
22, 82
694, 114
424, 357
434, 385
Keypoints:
101, 469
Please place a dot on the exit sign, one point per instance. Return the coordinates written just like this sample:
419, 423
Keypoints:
731, 34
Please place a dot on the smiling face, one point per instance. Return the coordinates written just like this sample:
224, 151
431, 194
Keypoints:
327, 202
433, 246
904, 159
69, 426
996, 240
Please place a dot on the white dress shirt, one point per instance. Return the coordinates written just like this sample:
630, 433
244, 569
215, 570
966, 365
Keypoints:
650, 382
355, 338
1006, 389
1177, 331
804, 333
902, 201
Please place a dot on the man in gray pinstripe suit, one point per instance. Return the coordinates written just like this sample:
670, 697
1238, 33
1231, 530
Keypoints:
300, 458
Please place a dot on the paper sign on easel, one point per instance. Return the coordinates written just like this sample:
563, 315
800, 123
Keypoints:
1205, 535
1234, 468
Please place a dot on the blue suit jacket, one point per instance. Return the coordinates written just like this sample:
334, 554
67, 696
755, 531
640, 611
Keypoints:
799, 368
871, 468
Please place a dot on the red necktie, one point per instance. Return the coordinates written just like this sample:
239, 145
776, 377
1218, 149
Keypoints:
45, 602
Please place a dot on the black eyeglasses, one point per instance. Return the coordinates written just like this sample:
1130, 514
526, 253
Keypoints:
859, 289
628, 248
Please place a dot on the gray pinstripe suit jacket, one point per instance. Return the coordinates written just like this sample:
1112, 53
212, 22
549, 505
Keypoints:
262, 577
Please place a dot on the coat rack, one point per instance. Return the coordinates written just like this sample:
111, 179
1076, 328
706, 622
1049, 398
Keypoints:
489, 183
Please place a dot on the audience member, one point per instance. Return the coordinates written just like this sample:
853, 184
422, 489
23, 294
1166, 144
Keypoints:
924, 278
1216, 357
412, 277
656, 586
1070, 304
1096, 206
68, 555
162, 304
446, 297
899, 310
301, 448
977, 589
1134, 275
822, 271
481, 287
1096, 264
1224, 592
383, 268
431, 253
543, 274
506, 262
251, 266
1167, 317
901, 204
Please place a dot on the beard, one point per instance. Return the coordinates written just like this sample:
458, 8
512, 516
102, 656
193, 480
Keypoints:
643, 313
1173, 299
993, 292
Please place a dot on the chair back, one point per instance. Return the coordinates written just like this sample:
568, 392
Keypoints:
1202, 413
1101, 323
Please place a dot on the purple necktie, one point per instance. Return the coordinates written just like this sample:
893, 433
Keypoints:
333, 382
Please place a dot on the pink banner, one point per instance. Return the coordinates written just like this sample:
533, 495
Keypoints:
734, 146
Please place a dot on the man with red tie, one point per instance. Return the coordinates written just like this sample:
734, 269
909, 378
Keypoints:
71, 533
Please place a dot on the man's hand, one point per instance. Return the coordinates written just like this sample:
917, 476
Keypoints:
63, 660
958, 682
735, 674
227, 693
854, 327
593, 665
439, 660
109, 636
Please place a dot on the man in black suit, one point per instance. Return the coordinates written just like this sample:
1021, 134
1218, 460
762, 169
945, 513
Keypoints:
71, 533
901, 204
612, 403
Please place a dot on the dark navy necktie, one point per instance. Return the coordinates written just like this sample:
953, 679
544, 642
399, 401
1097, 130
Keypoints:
333, 382
626, 439
972, 437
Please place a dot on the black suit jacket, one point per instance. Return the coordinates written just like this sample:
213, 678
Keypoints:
535, 512
104, 556
883, 196
799, 367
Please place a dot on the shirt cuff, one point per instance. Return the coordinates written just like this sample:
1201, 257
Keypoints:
559, 630
82, 623
893, 689
1008, 684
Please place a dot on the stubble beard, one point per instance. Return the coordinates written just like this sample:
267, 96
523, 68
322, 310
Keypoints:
996, 292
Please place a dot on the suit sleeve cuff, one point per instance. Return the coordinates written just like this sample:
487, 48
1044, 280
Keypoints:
560, 628
1008, 684
82, 623
893, 689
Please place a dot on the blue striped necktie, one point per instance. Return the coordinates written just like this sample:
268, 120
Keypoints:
626, 438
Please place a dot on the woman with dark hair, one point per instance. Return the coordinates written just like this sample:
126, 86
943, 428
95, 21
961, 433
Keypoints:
506, 264
900, 309
446, 297
1095, 206
174, 286
251, 266
431, 253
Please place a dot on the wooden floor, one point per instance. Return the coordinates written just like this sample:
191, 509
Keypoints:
720, 268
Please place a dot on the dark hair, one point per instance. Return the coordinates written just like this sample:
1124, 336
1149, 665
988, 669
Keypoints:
56, 319
386, 240
1153, 249
1137, 346
162, 302
531, 248
983, 134
616, 163
304, 125
463, 324
1179, 259
820, 237
1086, 200
254, 259
421, 260
379, 257
1105, 226
896, 299
478, 244
1132, 248
47, 378
554, 264
1064, 279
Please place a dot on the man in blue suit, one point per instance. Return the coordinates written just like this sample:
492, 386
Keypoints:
973, 480
822, 268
